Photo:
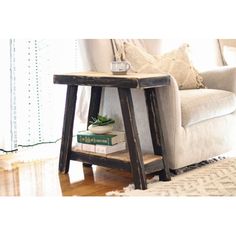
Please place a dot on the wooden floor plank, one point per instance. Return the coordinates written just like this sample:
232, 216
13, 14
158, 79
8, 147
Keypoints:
41, 178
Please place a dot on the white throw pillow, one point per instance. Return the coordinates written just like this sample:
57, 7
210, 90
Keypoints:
175, 63
229, 54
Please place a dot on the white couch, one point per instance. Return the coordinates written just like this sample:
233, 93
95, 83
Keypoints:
197, 123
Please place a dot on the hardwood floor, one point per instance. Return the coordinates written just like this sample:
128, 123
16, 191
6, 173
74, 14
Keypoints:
41, 178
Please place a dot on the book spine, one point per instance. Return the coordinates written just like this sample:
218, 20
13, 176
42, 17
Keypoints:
78, 147
110, 149
89, 147
94, 140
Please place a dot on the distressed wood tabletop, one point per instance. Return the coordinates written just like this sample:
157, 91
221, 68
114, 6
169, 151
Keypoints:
130, 80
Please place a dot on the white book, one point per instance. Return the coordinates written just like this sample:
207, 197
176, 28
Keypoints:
88, 147
78, 147
104, 149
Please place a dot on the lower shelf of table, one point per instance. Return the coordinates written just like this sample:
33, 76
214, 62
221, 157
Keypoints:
119, 160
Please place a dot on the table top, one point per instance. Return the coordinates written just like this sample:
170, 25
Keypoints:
130, 80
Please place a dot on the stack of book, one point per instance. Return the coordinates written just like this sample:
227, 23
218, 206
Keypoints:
101, 143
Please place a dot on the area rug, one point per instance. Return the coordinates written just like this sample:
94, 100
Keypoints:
215, 179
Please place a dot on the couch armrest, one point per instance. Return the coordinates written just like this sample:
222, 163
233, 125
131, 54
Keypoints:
221, 78
168, 99
170, 106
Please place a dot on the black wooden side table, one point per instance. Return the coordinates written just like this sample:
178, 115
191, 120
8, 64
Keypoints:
134, 160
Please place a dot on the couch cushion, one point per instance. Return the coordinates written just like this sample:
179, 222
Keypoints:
176, 63
201, 104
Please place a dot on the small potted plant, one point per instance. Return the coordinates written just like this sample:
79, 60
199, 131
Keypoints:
101, 125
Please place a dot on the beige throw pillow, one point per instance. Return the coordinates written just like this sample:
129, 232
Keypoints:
175, 63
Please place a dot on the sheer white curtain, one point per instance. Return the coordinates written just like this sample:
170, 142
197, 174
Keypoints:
31, 105
5, 97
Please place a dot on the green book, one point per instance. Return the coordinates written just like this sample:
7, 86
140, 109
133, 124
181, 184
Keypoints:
110, 139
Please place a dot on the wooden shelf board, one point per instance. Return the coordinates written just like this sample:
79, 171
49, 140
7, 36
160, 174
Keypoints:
121, 156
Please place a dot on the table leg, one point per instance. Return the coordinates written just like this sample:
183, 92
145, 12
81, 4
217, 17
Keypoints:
156, 131
67, 130
136, 158
95, 100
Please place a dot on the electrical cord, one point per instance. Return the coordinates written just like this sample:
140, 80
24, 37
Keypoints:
35, 144
8, 151
31, 145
